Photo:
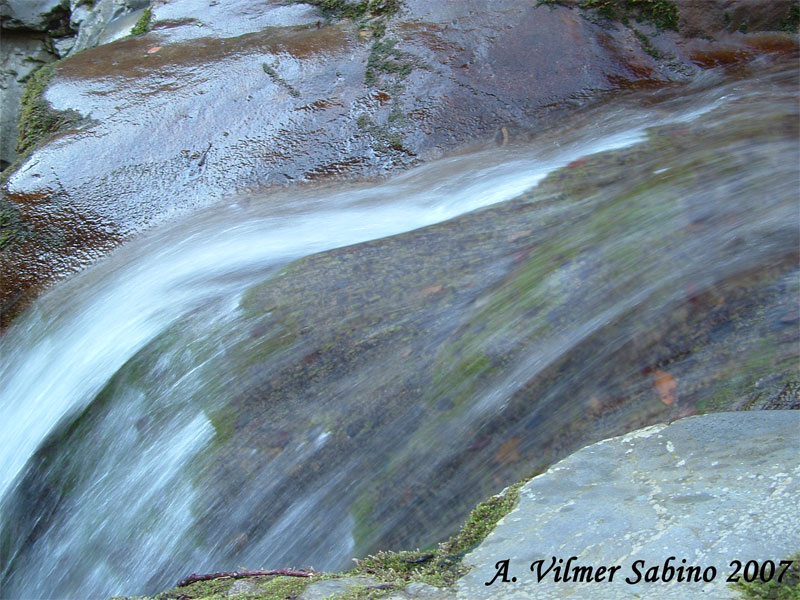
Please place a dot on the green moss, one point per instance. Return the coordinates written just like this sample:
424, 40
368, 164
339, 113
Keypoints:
662, 13
143, 24
8, 228
483, 519
361, 512
278, 80
37, 118
223, 421
787, 589
345, 9
284, 587
386, 59
442, 566
791, 22
387, 137
268, 588
647, 45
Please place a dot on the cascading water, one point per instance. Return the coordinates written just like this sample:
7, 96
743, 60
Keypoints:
151, 425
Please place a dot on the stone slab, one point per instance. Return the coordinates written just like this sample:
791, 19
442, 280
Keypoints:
709, 489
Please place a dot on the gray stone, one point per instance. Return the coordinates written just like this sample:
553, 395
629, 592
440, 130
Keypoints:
331, 587
62, 46
709, 489
106, 21
241, 587
31, 14
421, 590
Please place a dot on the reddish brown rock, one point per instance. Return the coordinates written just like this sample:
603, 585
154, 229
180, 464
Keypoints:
267, 94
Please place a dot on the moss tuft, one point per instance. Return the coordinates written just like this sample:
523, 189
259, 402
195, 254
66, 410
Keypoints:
662, 13
787, 589
791, 22
143, 24
483, 519
278, 80
647, 45
37, 118
344, 9
7, 230
386, 59
442, 566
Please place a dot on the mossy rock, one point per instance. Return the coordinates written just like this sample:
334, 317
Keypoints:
37, 118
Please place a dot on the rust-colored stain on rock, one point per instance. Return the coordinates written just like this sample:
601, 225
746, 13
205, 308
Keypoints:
665, 386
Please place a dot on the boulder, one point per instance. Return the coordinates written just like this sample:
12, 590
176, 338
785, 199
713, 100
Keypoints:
707, 491
36, 15
103, 22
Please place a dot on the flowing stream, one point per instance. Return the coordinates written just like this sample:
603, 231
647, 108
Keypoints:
104, 482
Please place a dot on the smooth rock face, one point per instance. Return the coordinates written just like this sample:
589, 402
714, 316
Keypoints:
223, 98
710, 489
104, 22
37, 15
20, 55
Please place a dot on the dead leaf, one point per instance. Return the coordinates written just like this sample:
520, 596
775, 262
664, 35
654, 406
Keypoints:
519, 234
154, 49
480, 443
508, 452
665, 386
431, 290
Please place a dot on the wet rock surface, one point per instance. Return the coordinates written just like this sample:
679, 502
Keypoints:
102, 21
710, 489
224, 97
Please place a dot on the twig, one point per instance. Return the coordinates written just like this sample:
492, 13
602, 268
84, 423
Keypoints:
239, 574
